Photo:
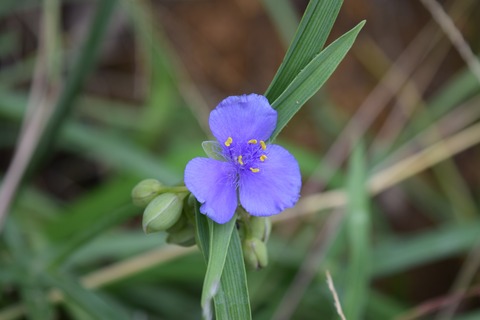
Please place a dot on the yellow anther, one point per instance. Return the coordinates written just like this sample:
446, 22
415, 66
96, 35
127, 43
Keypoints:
239, 159
254, 170
263, 157
228, 142
253, 141
263, 145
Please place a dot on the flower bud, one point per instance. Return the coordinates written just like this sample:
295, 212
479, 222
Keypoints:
180, 224
162, 212
255, 253
260, 227
184, 237
145, 191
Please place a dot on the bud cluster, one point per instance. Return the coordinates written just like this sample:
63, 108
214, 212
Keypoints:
165, 210
254, 232
171, 209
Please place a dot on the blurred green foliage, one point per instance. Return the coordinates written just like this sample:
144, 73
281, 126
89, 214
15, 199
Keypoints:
75, 250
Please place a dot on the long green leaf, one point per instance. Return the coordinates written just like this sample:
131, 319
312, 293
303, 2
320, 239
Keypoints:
90, 302
231, 299
99, 144
92, 206
358, 223
31, 289
310, 38
457, 90
35, 297
163, 94
402, 253
64, 250
219, 241
165, 302
311, 78
117, 151
82, 67
116, 246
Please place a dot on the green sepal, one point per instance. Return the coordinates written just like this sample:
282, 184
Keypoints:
213, 149
255, 253
162, 212
145, 191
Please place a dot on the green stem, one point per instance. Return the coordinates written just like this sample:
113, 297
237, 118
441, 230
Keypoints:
179, 189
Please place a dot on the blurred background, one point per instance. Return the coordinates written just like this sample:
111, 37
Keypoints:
98, 95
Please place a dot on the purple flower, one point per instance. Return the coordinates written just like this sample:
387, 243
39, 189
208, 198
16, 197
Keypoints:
264, 177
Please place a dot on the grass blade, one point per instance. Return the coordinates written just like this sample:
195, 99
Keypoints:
311, 78
94, 205
57, 255
98, 143
31, 290
358, 224
219, 240
82, 67
231, 299
90, 302
310, 38
399, 254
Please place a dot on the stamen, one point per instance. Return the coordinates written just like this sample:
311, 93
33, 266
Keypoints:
253, 141
263, 145
228, 142
239, 159
254, 170
263, 157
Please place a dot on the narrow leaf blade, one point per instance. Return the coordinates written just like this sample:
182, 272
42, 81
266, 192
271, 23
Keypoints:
358, 224
401, 253
312, 77
309, 39
232, 300
87, 300
219, 241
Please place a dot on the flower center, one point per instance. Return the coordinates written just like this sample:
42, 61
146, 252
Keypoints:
246, 156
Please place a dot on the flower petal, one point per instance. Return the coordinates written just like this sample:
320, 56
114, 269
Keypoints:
213, 183
275, 187
243, 118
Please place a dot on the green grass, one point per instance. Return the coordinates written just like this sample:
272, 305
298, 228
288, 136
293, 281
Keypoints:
72, 220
